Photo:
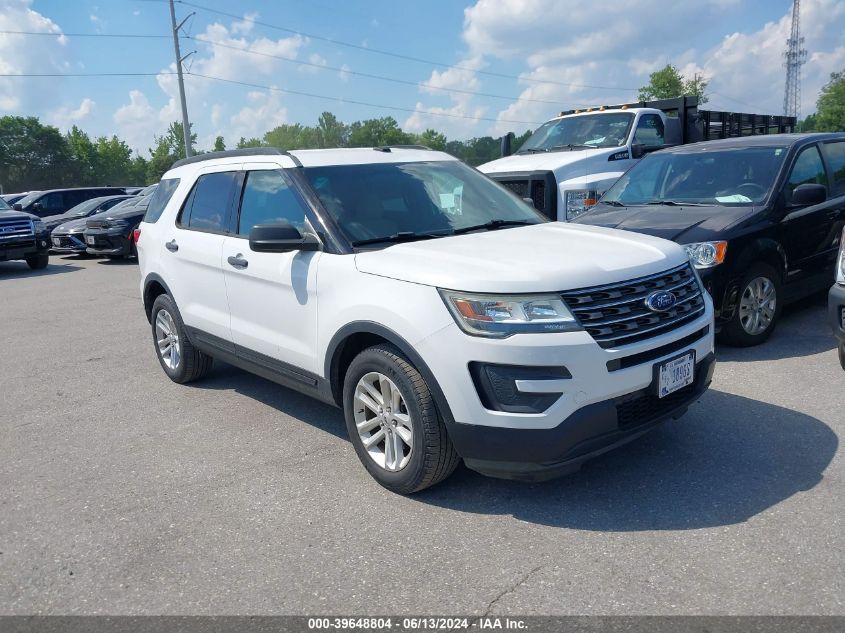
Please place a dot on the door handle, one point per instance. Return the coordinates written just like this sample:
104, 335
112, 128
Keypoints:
237, 261
172, 246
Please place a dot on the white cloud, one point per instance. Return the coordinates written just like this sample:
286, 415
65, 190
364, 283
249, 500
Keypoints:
344, 72
65, 117
20, 54
263, 112
137, 122
315, 60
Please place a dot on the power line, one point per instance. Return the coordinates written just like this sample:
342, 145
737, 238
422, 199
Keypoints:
35, 75
406, 82
398, 55
119, 35
355, 102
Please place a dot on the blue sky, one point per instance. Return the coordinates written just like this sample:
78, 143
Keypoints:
558, 53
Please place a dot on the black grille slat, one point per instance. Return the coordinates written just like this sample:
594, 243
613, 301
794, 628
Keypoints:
615, 314
17, 230
519, 187
644, 407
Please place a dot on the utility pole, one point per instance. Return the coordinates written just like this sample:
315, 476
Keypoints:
186, 126
794, 57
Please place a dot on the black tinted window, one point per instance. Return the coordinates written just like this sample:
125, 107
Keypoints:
269, 198
649, 131
206, 207
808, 168
162, 195
835, 155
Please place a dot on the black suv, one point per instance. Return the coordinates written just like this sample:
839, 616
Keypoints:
23, 236
760, 216
112, 233
58, 201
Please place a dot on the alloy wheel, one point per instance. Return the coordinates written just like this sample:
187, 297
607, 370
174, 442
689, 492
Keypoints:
167, 340
383, 421
757, 305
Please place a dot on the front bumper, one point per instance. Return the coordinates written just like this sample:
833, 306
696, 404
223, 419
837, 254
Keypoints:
836, 311
108, 242
67, 243
538, 454
11, 250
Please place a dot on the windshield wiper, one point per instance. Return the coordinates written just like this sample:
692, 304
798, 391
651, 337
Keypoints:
570, 146
402, 236
492, 225
613, 203
530, 150
674, 203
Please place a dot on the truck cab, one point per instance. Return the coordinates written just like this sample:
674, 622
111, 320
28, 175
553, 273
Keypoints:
572, 159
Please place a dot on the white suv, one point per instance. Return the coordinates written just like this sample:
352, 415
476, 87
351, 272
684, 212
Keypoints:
445, 316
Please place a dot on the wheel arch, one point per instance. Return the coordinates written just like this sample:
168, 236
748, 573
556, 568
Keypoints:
154, 286
354, 338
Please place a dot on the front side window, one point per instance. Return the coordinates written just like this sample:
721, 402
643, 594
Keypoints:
160, 197
269, 198
52, 202
649, 131
414, 200
607, 129
208, 204
727, 177
808, 169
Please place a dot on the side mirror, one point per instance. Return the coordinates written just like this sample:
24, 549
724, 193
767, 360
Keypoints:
507, 139
808, 194
17, 206
637, 151
281, 237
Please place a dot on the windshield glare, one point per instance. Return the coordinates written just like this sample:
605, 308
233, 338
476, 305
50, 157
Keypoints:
84, 208
4, 205
28, 199
730, 177
592, 130
379, 200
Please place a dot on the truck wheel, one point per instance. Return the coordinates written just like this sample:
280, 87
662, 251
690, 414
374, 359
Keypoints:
393, 423
758, 307
38, 261
180, 360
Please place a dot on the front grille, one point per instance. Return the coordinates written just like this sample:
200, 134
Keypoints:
16, 232
97, 224
519, 187
69, 241
643, 407
537, 186
616, 314
538, 195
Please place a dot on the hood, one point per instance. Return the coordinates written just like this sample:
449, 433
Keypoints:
680, 224
123, 214
542, 258
9, 214
73, 226
53, 221
581, 164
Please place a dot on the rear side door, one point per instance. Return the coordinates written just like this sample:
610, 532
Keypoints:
192, 252
833, 153
806, 230
272, 296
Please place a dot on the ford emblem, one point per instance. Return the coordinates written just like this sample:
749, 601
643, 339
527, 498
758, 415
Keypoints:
660, 301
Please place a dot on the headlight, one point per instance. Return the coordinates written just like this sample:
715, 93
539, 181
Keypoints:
706, 254
499, 316
38, 226
840, 272
579, 201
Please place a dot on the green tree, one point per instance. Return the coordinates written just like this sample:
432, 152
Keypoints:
378, 132
249, 142
433, 139
176, 139
668, 82
292, 136
32, 155
331, 132
219, 144
519, 140
113, 162
830, 115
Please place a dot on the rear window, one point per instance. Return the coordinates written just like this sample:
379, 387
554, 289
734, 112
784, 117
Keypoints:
162, 195
208, 203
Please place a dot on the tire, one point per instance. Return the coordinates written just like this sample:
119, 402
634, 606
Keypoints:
842, 355
38, 261
190, 364
430, 458
742, 330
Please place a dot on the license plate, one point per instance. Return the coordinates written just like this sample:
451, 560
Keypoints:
57, 241
90, 240
675, 374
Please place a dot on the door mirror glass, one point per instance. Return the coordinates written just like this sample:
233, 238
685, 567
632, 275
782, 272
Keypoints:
280, 237
17, 206
637, 151
808, 194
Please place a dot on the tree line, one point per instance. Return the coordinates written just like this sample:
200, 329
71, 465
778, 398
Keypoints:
37, 156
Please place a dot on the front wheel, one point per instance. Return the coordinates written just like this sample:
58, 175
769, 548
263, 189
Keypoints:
38, 261
758, 307
393, 422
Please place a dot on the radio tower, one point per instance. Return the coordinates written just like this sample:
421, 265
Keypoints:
794, 57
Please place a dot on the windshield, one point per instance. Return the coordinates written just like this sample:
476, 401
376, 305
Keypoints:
29, 199
428, 199
580, 132
84, 208
3, 204
729, 177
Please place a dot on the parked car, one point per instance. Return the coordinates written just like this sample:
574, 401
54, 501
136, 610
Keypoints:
454, 321
58, 201
84, 209
69, 237
111, 233
759, 216
571, 160
836, 302
12, 198
23, 236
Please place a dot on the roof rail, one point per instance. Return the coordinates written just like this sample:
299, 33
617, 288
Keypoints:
387, 148
246, 151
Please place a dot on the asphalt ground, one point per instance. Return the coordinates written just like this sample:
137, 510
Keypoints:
124, 493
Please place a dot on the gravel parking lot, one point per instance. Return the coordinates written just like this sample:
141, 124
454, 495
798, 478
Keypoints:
123, 493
